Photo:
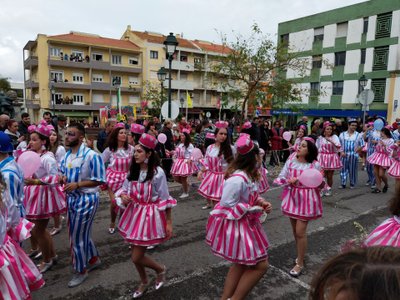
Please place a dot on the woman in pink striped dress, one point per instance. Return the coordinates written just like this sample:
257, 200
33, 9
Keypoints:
146, 221
301, 133
388, 232
118, 155
182, 167
328, 145
215, 163
18, 274
43, 196
234, 231
382, 160
300, 203
394, 170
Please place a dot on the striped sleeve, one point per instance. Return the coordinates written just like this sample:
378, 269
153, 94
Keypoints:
97, 168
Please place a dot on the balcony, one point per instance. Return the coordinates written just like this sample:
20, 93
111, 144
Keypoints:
80, 107
68, 64
32, 104
181, 85
97, 65
180, 65
29, 84
31, 61
68, 85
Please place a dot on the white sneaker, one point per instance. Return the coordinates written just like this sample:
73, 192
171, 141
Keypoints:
184, 195
328, 193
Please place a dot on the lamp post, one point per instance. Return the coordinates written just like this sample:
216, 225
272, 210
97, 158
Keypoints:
170, 45
363, 83
117, 84
161, 75
53, 98
182, 101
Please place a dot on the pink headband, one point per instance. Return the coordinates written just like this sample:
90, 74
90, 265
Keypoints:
310, 139
119, 125
246, 125
326, 124
43, 128
244, 144
185, 130
303, 127
210, 136
222, 124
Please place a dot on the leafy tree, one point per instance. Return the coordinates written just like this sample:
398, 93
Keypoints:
4, 85
254, 61
152, 94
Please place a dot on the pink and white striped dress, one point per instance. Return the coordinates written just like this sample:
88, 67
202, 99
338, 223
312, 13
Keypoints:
294, 148
394, 169
386, 234
18, 274
213, 180
144, 220
118, 167
183, 165
46, 200
383, 153
263, 184
298, 201
234, 232
328, 152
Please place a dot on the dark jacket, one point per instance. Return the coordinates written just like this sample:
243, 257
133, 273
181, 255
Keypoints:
101, 140
169, 144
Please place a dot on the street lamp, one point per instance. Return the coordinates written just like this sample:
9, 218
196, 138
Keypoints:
363, 83
161, 75
182, 101
53, 98
170, 45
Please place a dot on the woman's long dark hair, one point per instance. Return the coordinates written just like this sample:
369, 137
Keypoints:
153, 163
112, 140
246, 163
386, 132
56, 144
312, 152
188, 140
225, 148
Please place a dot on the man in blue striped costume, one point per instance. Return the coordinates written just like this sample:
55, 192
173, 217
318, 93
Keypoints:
83, 171
352, 143
12, 173
372, 137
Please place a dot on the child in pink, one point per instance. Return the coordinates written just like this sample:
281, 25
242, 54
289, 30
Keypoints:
301, 133
146, 221
300, 203
234, 231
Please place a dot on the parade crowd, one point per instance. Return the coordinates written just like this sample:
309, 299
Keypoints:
133, 162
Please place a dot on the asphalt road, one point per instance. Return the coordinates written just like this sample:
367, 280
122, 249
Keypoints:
195, 273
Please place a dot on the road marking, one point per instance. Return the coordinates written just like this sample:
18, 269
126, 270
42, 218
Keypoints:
287, 276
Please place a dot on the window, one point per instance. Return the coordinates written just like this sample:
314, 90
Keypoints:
318, 34
184, 76
133, 60
55, 51
134, 100
153, 75
57, 98
77, 78
97, 56
317, 61
116, 60
337, 88
133, 80
57, 76
184, 58
365, 25
378, 87
77, 53
314, 88
383, 25
97, 78
198, 60
363, 51
340, 58
341, 30
116, 80
285, 39
381, 55
153, 54
98, 98
77, 98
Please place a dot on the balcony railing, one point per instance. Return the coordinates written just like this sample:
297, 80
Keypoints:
29, 84
97, 65
80, 107
180, 65
32, 103
31, 61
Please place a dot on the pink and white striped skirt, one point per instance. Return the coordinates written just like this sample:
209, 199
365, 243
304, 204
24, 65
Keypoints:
380, 159
211, 186
115, 179
301, 203
263, 183
18, 274
394, 169
44, 201
329, 161
182, 167
386, 234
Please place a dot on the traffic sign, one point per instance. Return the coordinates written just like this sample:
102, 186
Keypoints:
208, 114
366, 97
174, 110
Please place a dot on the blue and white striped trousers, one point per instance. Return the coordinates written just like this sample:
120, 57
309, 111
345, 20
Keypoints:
81, 211
349, 169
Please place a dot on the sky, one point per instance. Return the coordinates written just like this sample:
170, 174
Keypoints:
22, 20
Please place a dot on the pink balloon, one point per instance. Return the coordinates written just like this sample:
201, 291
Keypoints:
162, 138
311, 178
29, 162
197, 154
287, 136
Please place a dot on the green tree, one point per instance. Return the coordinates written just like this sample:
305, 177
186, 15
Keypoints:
4, 85
152, 94
254, 61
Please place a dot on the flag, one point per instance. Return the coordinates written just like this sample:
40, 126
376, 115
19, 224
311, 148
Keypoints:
134, 112
189, 100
